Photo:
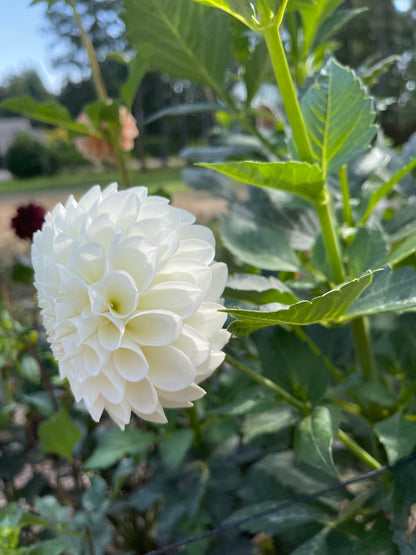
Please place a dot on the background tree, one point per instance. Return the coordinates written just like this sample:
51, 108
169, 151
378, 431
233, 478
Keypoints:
27, 83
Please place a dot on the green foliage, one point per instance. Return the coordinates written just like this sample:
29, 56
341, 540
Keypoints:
59, 434
27, 157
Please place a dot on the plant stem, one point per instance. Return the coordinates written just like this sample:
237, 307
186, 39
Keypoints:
331, 239
357, 450
95, 68
288, 92
362, 343
343, 178
122, 167
336, 374
285, 395
196, 427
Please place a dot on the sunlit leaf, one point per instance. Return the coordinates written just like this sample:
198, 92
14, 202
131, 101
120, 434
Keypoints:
298, 178
339, 116
258, 290
240, 9
326, 308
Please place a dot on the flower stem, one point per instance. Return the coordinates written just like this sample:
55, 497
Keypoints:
122, 167
285, 395
95, 68
362, 343
288, 91
357, 450
331, 239
343, 178
196, 427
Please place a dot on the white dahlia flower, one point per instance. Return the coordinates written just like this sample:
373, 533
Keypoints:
129, 292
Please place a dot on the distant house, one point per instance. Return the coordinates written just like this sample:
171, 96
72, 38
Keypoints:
9, 127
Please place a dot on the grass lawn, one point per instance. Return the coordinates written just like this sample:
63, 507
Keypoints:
168, 178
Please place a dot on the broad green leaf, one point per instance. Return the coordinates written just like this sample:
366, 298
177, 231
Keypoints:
334, 22
339, 116
374, 392
289, 361
59, 434
298, 178
317, 545
313, 17
184, 110
253, 400
277, 522
398, 436
313, 438
258, 290
389, 292
49, 507
258, 245
269, 422
405, 249
370, 75
114, 443
52, 113
48, 547
30, 369
367, 251
94, 497
257, 68
187, 40
137, 69
329, 307
240, 9
174, 447
100, 111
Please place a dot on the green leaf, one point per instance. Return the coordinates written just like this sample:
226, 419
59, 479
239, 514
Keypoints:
240, 9
339, 116
288, 361
253, 400
398, 436
174, 447
313, 16
298, 178
114, 443
389, 292
52, 113
48, 547
257, 245
185, 110
100, 111
48, 507
333, 23
186, 40
276, 522
269, 422
59, 434
317, 545
367, 251
329, 307
313, 439
94, 498
257, 68
258, 290
405, 249
370, 75
137, 69
22, 273
30, 369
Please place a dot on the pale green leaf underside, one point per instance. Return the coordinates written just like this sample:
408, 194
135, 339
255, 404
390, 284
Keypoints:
326, 308
299, 178
52, 113
314, 438
389, 292
240, 9
339, 116
187, 40
258, 290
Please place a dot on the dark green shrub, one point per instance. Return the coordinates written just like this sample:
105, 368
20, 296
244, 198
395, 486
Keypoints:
66, 155
27, 157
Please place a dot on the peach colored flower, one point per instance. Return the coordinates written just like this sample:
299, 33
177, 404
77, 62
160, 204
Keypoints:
96, 149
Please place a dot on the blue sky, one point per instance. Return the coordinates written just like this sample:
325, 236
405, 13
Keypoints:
23, 44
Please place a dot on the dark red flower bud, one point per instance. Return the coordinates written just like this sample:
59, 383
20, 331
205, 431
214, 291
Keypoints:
29, 218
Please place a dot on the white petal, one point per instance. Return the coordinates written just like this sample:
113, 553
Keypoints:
122, 208
160, 232
191, 393
90, 392
196, 249
111, 384
130, 362
138, 257
219, 340
207, 320
88, 261
176, 296
101, 230
169, 368
193, 345
154, 327
96, 410
158, 416
119, 412
198, 232
109, 335
90, 197
218, 281
205, 369
185, 269
120, 290
142, 396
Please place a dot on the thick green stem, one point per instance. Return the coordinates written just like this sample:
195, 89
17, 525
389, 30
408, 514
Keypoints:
122, 167
345, 190
331, 240
288, 92
196, 427
282, 393
357, 450
362, 343
95, 68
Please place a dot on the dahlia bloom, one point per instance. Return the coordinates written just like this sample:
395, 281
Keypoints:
129, 293
96, 149
28, 219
